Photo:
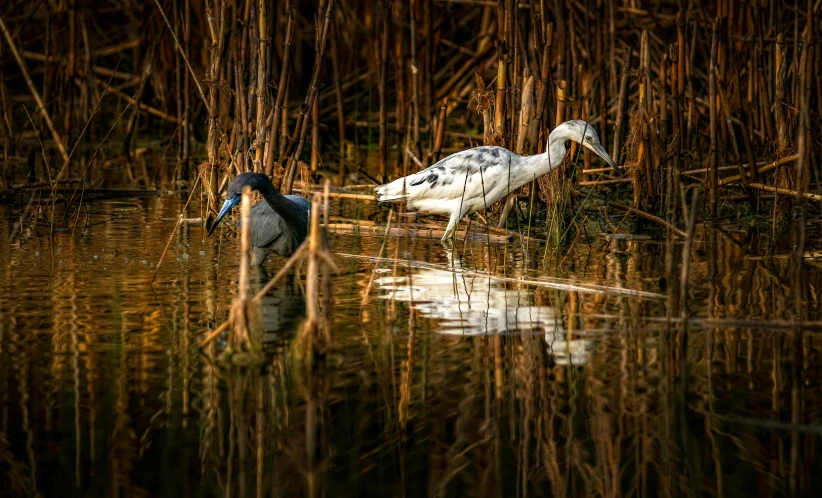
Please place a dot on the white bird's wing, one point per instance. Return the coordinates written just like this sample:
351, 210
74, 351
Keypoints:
471, 171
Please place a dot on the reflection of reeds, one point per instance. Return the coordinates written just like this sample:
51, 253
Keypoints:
615, 424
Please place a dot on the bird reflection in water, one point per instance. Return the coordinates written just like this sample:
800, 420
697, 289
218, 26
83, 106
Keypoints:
473, 305
282, 308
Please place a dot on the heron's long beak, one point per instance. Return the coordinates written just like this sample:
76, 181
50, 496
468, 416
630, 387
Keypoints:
227, 205
598, 150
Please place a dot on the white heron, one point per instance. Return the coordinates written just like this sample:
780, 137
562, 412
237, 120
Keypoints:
473, 179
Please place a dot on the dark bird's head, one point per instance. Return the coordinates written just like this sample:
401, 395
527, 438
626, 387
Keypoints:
583, 133
234, 192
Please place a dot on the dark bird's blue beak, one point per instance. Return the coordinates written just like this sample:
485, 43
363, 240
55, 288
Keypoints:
227, 206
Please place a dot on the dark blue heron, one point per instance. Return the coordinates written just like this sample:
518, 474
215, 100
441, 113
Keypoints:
278, 225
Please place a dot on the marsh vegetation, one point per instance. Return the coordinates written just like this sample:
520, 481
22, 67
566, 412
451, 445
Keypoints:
590, 334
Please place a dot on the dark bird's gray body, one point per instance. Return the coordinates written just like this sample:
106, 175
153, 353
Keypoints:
279, 224
271, 234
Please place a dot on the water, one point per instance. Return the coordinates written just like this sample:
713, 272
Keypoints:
512, 377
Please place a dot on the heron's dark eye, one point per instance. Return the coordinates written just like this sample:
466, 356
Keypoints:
590, 139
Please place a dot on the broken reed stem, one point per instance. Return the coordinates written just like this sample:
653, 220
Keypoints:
735, 178
786, 191
438, 139
647, 216
215, 333
560, 117
133, 101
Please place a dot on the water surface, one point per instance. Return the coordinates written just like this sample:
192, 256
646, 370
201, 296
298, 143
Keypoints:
489, 371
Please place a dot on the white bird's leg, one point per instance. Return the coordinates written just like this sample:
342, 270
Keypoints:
456, 216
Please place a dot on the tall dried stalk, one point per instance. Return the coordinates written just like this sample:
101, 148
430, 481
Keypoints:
313, 89
278, 111
41, 107
245, 336
381, 90
713, 177
262, 82
621, 106
216, 15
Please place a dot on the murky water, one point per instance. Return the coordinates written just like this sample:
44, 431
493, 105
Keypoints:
491, 371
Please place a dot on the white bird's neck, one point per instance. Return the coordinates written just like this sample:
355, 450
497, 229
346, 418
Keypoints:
540, 164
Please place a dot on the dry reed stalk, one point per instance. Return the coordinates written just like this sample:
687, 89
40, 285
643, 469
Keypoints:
525, 113
413, 71
41, 107
663, 111
295, 258
133, 100
245, 337
314, 338
676, 145
183, 51
315, 136
344, 195
644, 156
178, 88
433, 233
440, 135
713, 176
313, 89
682, 339
381, 91
70, 70
240, 132
261, 138
484, 47
216, 15
596, 183
186, 35
502, 72
647, 216
744, 176
338, 92
543, 86
560, 116
278, 111
786, 191
621, 106
429, 58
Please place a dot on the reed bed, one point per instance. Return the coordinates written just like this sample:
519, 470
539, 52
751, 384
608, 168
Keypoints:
228, 87
712, 109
